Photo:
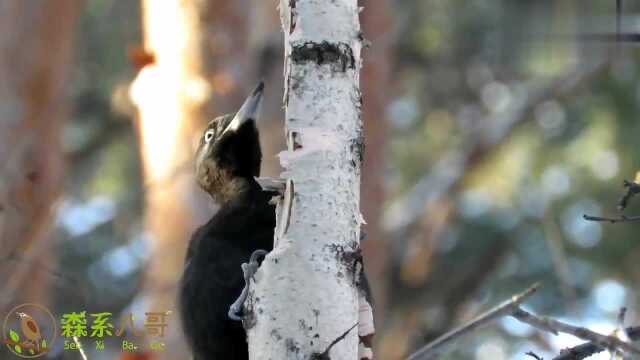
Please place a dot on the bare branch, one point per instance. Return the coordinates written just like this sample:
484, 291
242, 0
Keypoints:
534, 355
431, 350
633, 188
597, 342
555, 326
588, 349
613, 220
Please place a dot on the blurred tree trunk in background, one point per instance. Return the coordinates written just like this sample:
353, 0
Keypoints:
195, 55
376, 90
36, 41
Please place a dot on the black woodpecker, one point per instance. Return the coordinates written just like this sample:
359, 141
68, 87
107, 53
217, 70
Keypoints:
227, 160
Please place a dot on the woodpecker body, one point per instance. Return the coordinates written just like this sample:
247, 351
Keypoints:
227, 161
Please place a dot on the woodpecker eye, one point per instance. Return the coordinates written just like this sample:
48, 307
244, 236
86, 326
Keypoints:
208, 135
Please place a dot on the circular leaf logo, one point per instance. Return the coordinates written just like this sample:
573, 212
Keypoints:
29, 330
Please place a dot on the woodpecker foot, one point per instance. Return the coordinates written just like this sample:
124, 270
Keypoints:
248, 270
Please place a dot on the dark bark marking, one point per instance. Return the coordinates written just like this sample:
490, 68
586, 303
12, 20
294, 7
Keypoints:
351, 260
358, 144
295, 140
292, 347
250, 320
339, 55
357, 148
276, 335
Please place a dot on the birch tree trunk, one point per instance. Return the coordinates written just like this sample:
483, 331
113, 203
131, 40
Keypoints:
377, 90
305, 294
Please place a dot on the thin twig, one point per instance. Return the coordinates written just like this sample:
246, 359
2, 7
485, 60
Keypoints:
430, 350
613, 220
555, 326
597, 342
633, 189
534, 355
586, 350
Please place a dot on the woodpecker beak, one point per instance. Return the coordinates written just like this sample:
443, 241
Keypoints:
249, 110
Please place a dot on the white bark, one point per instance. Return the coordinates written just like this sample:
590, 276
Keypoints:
304, 295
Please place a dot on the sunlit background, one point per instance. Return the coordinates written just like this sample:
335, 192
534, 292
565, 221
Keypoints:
490, 132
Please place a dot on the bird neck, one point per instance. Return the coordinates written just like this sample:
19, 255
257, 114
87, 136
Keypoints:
236, 189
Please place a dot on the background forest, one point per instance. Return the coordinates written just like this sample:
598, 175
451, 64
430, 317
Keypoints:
489, 132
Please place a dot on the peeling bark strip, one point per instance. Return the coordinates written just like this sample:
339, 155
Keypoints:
305, 295
292, 15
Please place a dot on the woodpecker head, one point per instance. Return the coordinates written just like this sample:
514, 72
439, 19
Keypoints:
229, 156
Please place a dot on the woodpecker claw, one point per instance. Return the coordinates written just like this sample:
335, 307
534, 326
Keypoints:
248, 269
